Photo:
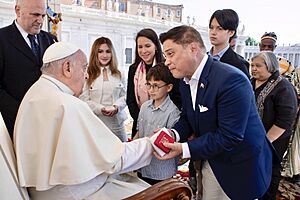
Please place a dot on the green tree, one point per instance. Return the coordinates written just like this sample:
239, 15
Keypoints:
251, 42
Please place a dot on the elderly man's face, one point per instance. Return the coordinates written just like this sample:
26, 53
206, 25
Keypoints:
267, 45
79, 74
179, 59
30, 15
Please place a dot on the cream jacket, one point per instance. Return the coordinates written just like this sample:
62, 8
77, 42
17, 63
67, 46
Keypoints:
93, 95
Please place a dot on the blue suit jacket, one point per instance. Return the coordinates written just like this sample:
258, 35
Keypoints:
229, 134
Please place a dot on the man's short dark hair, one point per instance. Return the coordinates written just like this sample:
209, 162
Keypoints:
182, 35
160, 72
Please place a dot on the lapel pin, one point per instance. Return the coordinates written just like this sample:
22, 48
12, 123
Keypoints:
201, 85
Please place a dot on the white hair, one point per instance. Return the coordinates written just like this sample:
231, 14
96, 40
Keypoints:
54, 66
269, 59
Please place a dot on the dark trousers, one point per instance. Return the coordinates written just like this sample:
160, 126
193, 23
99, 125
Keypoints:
280, 145
148, 180
192, 171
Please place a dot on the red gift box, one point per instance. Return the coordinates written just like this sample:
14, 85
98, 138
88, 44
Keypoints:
163, 137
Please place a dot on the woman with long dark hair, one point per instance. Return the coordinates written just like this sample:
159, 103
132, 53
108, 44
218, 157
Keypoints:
148, 52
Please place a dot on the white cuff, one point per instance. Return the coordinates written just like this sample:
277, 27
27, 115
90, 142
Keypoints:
177, 137
185, 150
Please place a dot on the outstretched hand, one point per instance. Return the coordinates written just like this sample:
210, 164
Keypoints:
175, 150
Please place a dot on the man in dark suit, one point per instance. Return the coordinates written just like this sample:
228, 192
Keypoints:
222, 26
218, 105
21, 56
232, 45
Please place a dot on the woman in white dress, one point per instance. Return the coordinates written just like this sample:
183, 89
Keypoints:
104, 90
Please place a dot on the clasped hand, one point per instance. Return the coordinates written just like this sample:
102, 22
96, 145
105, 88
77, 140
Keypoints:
109, 113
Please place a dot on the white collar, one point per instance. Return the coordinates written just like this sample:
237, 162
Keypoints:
220, 54
64, 88
22, 31
105, 67
198, 72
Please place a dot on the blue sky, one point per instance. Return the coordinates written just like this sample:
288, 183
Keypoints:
259, 16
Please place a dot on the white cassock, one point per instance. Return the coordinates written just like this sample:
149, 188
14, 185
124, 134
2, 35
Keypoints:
65, 152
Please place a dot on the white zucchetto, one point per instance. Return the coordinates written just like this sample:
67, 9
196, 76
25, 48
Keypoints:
59, 50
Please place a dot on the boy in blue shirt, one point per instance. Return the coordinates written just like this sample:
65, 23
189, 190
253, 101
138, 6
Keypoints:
158, 112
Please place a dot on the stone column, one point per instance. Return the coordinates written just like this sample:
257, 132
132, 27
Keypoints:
128, 7
154, 11
109, 5
102, 4
116, 6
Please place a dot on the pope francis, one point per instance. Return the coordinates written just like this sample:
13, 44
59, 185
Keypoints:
63, 150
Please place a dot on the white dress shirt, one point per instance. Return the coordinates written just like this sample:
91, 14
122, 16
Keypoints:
220, 54
24, 34
193, 82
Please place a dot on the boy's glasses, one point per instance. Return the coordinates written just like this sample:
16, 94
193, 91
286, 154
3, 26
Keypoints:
154, 86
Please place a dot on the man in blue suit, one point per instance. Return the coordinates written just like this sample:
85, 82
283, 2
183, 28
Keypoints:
219, 107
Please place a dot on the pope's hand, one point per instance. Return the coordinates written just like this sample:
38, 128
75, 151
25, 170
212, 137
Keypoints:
175, 150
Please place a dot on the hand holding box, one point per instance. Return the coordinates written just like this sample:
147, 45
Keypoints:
158, 139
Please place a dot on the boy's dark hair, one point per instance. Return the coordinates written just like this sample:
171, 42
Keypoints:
182, 35
227, 18
160, 72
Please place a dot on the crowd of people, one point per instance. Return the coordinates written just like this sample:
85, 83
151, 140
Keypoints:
65, 114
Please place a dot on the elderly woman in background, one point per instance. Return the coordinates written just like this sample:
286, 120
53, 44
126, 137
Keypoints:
277, 106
